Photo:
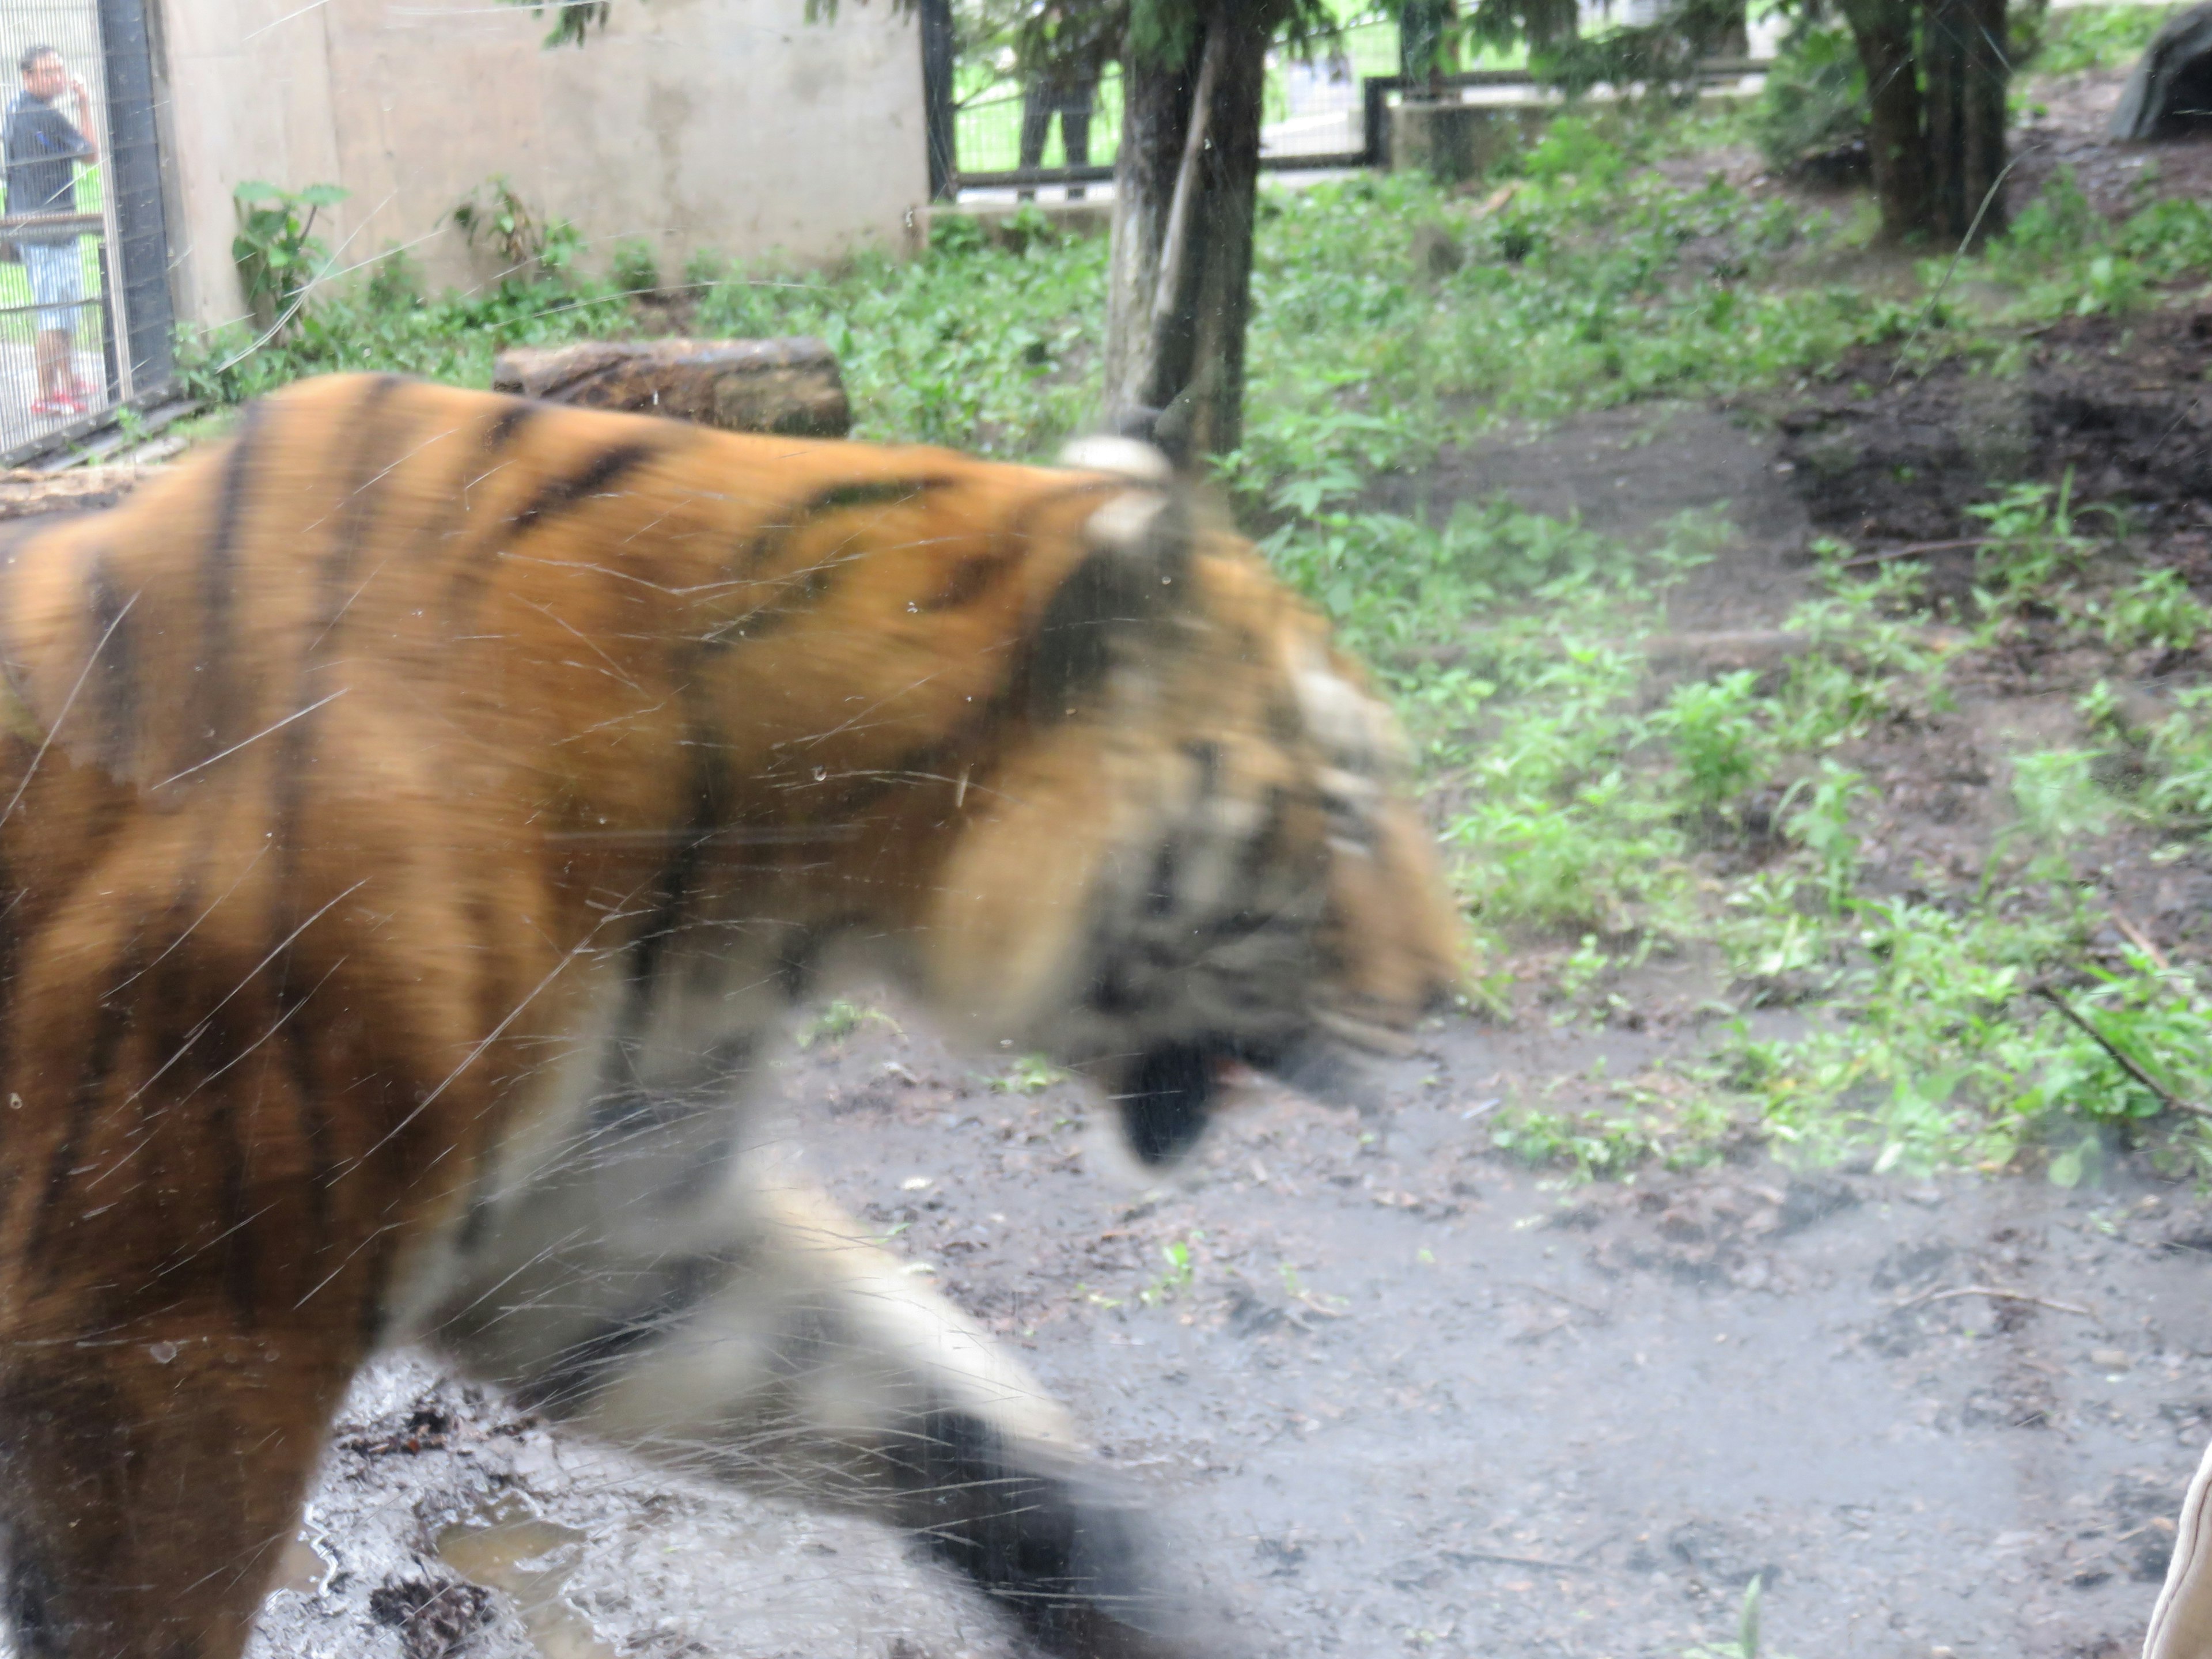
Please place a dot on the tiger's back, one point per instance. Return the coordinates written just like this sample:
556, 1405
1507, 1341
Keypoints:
401, 801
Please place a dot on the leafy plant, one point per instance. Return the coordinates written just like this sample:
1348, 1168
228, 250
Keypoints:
1031, 1074
573, 20
635, 268
1716, 736
276, 250
839, 1019
528, 245
2077, 38
1822, 825
1813, 103
2156, 609
1179, 1276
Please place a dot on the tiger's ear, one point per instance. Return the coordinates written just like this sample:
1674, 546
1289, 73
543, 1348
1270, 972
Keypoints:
1134, 572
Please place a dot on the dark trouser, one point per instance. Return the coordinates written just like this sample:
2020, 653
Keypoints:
1041, 101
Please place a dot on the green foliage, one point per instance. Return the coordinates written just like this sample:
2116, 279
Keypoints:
492, 215
839, 1019
2057, 796
1717, 735
986, 349
573, 20
1031, 1074
635, 268
277, 254
2178, 758
1180, 1275
2062, 258
2156, 610
385, 324
1815, 100
2077, 38
1572, 149
2032, 549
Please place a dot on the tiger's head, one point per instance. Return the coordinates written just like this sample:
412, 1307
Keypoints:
1202, 854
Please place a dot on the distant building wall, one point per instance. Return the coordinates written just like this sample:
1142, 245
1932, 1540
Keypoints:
733, 127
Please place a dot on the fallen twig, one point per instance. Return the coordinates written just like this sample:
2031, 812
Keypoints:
1459, 1557
1914, 550
1559, 1296
2140, 939
2173, 1101
1996, 1294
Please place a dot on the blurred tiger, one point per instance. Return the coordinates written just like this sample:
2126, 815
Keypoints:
415, 816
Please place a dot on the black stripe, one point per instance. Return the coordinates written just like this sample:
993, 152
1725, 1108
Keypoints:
372, 460
818, 582
116, 701
311, 1119
378, 1274
506, 426
972, 577
465, 586
211, 700
234, 1235
111, 1025
838, 498
604, 469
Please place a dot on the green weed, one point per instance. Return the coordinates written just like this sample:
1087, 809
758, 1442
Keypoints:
839, 1019
1031, 1074
1717, 737
1180, 1275
2155, 610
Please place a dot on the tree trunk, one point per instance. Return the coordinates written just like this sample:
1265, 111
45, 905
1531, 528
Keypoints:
1965, 65
1896, 137
1180, 274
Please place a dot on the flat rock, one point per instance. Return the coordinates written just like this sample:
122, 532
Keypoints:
791, 386
24, 494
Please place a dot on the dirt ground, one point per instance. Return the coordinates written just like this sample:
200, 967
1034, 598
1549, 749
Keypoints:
1410, 1398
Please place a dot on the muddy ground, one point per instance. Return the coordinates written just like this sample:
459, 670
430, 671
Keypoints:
1413, 1399
1410, 1399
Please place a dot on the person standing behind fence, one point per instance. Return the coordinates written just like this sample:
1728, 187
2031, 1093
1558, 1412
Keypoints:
43, 147
1061, 50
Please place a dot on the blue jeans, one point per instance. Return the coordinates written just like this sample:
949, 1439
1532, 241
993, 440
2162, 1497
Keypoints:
57, 275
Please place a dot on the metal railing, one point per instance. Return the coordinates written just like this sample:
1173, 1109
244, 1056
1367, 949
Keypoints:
1323, 118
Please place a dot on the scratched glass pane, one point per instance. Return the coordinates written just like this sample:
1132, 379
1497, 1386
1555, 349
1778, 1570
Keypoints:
1106, 828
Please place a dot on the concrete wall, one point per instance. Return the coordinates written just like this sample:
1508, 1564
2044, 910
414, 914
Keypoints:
727, 125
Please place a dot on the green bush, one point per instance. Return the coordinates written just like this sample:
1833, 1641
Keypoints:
635, 267
1815, 98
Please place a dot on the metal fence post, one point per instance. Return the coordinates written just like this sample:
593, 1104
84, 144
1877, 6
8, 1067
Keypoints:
140, 259
936, 98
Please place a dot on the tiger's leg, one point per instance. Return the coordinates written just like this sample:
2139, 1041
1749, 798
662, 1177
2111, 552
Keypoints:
779, 1351
193, 1257
144, 1499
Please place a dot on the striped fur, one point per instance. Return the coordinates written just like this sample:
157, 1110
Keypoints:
420, 813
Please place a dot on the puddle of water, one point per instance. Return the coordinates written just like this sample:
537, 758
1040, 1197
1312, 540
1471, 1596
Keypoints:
509, 1549
301, 1568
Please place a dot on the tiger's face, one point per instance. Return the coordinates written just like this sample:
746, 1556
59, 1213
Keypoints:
1245, 880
